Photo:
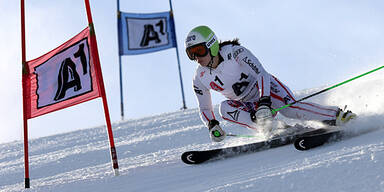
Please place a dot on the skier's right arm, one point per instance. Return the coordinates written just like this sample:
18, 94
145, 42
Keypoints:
203, 96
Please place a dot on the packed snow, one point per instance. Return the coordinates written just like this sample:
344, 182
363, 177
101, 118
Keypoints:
149, 152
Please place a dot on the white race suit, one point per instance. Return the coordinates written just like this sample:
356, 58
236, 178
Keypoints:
241, 78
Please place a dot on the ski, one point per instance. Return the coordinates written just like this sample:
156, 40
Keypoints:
197, 157
317, 138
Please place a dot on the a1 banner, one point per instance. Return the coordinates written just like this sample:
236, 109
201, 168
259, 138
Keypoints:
145, 33
64, 77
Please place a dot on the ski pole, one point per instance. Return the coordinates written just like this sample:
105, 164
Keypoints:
324, 90
246, 136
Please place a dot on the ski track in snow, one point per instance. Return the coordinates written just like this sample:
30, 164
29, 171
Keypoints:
149, 150
319, 161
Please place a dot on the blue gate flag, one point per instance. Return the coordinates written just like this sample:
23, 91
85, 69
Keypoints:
145, 33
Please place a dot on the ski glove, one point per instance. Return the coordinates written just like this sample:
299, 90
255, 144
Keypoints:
263, 116
216, 133
265, 101
264, 111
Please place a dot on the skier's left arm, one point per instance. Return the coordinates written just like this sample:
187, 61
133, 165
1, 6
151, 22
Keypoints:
263, 112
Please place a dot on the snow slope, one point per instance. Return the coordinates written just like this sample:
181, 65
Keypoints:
149, 152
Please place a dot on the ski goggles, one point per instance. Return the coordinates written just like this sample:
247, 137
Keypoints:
198, 50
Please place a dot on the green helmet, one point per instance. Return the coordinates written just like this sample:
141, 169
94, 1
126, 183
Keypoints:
203, 34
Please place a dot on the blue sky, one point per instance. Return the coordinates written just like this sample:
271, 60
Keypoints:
305, 44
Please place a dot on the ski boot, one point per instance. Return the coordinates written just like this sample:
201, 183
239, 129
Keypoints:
342, 117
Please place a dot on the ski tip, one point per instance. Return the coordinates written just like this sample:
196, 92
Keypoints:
197, 157
188, 157
306, 142
300, 144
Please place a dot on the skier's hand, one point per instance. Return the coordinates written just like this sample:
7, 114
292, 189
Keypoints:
263, 116
265, 101
263, 113
216, 133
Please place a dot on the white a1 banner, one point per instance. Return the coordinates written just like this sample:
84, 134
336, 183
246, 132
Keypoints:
70, 69
144, 33
62, 78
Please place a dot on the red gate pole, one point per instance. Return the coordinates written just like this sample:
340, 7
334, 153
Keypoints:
95, 57
24, 76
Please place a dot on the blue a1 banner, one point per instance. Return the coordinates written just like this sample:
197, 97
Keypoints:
145, 33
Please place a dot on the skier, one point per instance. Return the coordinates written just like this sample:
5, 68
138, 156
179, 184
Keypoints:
231, 69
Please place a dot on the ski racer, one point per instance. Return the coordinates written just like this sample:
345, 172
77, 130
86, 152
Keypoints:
232, 70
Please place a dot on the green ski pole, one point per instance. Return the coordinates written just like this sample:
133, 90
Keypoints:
326, 89
245, 136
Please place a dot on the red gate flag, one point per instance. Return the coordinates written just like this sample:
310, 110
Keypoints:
61, 78
66, 76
